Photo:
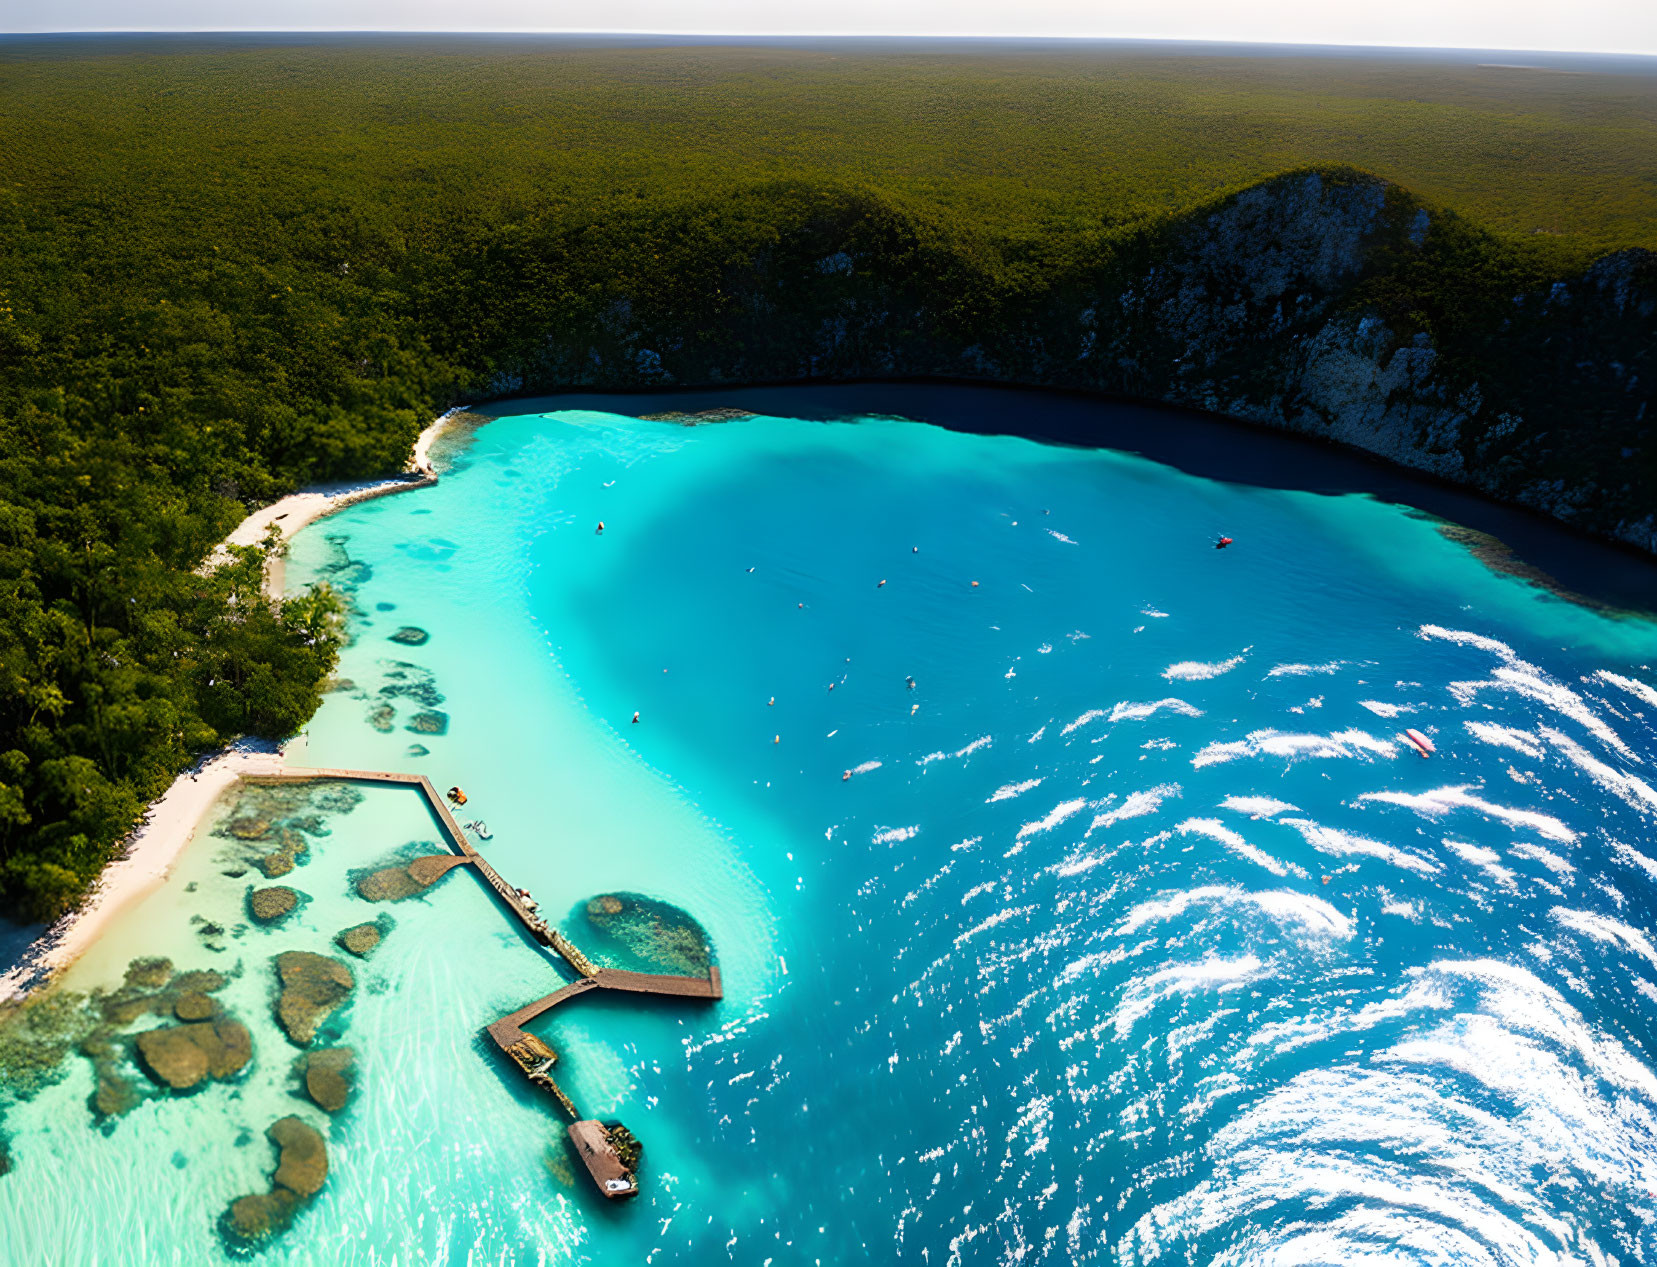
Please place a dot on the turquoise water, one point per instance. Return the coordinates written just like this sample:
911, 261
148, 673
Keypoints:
1137, 931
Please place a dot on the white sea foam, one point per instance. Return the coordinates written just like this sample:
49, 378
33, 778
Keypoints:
1613, 932
1629, 787
1440, 801
1007, 791
1487, 860
1255, 806
1135, 805
1505, 737
1053, 817
891, 835
1198, 671
1531, 683
1638, 689
1381, 709
983, 741
1311, 915
1296, 746
1303, 670
1342, 844
1092, 714
1141, 995
1215, 830
1136, 712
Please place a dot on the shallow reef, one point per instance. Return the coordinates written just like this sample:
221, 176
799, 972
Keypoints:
301, 1170
313, 986
633, 931
362, 940
329, 1075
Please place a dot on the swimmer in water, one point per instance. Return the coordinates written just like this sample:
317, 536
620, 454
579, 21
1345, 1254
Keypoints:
635, 718
846, 777
600, 527
911, 682
881, 583
1222, 543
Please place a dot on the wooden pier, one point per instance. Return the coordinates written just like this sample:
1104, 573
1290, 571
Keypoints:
454, 835
594, 1141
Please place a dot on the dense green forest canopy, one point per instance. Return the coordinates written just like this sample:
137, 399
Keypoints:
229, 266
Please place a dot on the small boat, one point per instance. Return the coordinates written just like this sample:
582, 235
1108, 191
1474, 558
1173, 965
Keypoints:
1423, 745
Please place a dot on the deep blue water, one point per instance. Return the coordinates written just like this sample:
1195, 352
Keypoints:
1137, 933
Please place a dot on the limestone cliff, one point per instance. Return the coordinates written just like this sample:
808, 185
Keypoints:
1326, 302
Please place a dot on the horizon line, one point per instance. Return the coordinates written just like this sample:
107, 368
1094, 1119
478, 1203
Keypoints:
829, 35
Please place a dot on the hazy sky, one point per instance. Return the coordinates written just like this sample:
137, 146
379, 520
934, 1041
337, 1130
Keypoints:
1615, 26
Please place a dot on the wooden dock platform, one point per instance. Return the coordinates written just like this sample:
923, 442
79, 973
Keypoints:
453, 833
598, 1154
592, 1140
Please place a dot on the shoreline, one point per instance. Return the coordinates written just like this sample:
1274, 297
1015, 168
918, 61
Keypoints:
152, 848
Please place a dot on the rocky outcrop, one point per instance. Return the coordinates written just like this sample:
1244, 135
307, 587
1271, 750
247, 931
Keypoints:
313, 986
301, 1170
181, 1056
329, 1076
267, 906
360, 940
1327, 302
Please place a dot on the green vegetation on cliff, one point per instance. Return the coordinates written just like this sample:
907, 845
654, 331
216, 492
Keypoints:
232, 266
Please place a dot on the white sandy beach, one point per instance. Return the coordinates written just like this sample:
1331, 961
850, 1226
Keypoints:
152, 849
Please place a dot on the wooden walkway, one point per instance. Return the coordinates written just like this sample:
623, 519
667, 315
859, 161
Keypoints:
456, 838
531, 1056
510, 1029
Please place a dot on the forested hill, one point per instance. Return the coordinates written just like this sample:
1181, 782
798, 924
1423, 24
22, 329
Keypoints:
229, 267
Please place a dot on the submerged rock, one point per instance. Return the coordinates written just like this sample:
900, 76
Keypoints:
275, 865
329, 1075
383, 717
115, 1094
201, 980
641, 932
336, 798
303, 1165
180, 1056
290, 851
312, 987
389, 884
301, 1170
411, 636
269, 905
360, 939
257, 1217
123, 1008
249, 828
418, 750
149, 974
430, 723
193, 1005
